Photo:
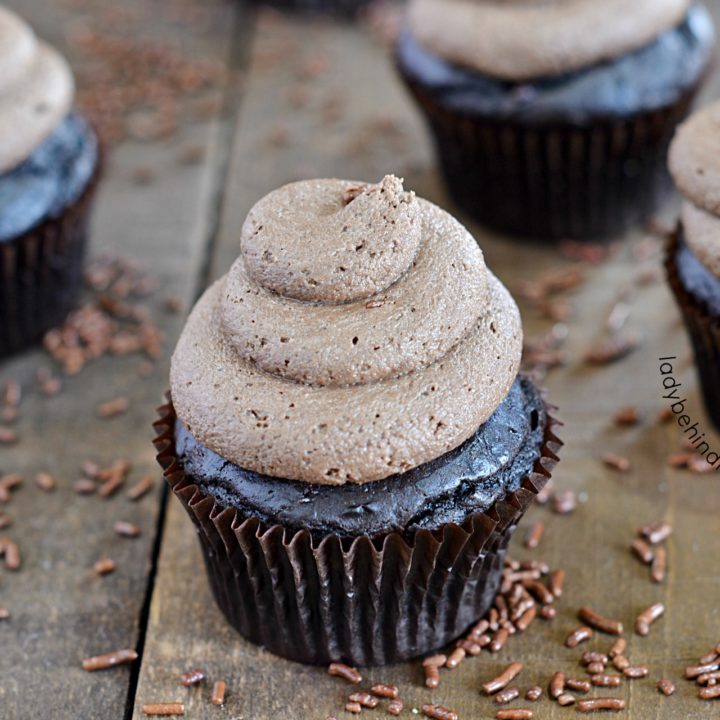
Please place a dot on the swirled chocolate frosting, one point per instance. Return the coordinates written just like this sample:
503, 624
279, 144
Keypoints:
36, 90
358, 335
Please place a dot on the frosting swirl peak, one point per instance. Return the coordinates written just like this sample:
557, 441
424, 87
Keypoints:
308, 241
400, 348
36, 90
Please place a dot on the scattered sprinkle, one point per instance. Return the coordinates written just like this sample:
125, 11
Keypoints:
112, 408
164, 709
104, 566
218, 693
126, 529
109, 660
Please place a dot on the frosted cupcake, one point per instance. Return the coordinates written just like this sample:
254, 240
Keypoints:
348, 428
552, 119
693, 259
49, 167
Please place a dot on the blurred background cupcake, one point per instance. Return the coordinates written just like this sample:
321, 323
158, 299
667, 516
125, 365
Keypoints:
552, 120
49, 166
693, 260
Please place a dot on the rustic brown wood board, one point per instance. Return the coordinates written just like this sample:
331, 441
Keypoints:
322, 99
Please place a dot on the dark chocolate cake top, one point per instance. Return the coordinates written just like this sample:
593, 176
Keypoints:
696, 278
466, 480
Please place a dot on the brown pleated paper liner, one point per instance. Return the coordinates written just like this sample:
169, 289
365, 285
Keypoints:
41, 273
554, 180
704, 330
358, 600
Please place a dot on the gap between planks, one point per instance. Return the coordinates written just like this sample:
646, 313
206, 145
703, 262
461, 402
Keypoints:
220, 162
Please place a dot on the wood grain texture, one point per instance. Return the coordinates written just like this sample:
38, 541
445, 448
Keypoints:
61, 611
284, 132
323, 100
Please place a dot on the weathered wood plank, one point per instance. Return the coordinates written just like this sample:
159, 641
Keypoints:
60, 610
275, 143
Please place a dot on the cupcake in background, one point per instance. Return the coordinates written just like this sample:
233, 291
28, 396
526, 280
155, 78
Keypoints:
552, 120
693, 258
348, 429
49, 167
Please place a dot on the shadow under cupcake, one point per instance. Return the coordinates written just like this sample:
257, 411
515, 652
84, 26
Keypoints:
552, 121
348, 429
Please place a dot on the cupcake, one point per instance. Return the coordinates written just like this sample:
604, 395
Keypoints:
49, 167
552, 120
693, 257
348, 429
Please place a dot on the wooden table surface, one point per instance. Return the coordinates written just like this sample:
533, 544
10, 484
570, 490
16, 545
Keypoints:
321, 99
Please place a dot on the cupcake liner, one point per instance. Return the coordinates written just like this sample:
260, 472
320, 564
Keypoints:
41, 272
554, 180
358, 600
704, 330
341, 8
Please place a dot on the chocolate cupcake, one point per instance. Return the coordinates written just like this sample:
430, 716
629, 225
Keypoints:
49, 166
552, 120
693, 257
348, 429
